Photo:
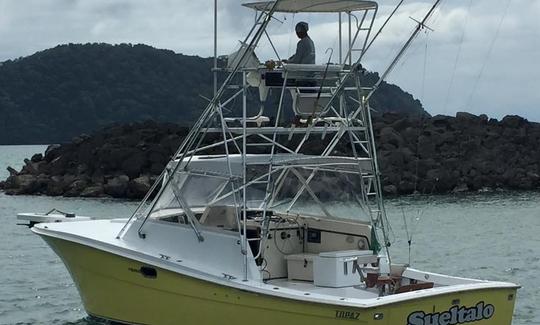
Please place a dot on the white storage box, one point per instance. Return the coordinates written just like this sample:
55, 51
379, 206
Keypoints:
335, 269
300, 266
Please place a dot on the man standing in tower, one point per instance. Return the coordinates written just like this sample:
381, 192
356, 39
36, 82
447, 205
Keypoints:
305, 49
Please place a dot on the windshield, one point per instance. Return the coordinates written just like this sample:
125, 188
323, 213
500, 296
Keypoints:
306, 189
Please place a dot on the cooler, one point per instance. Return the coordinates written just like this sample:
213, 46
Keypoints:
335, 269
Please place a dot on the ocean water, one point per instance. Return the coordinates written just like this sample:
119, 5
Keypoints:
489, 236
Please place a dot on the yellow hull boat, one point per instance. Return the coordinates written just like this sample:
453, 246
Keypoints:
269, 219
113, 288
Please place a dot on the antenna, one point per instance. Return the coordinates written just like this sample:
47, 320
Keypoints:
420, 23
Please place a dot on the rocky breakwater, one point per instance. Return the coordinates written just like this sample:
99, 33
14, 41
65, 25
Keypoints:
439, 154
444, 154
121, 161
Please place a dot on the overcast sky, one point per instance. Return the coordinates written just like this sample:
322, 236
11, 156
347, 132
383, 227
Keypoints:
482, 56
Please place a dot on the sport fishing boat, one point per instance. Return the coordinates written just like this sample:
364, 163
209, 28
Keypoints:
271, 211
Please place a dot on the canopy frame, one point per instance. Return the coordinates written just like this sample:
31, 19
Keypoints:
314, 6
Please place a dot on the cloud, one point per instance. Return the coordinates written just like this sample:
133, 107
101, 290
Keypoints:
458, 73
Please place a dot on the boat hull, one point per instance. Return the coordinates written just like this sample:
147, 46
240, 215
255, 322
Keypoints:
114, 288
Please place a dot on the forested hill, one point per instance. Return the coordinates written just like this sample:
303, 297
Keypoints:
56, 94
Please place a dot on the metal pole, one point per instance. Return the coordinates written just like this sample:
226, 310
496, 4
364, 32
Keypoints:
350, 40
340, 41
215, 46
244, 178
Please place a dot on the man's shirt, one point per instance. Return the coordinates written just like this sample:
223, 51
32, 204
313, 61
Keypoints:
305, 52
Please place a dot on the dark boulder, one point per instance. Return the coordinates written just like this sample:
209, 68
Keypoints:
12, 171
513, 121
37, 158
134, 164
76, 188
22, 184
138, 187
52, 152
55, 186
93, 191
461, 188
117, 186
390, 189
467, 117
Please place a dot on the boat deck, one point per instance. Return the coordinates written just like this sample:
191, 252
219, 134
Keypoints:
308, 288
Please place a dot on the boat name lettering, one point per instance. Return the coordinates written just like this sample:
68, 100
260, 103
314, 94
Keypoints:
347, 314
455, 315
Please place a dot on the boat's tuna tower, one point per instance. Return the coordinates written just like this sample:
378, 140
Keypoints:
292, 138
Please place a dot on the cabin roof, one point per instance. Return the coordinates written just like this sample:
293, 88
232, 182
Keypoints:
322, 6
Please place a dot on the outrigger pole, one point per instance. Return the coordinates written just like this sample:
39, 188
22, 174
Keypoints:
420, 26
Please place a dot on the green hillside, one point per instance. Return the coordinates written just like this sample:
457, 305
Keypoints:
56, 94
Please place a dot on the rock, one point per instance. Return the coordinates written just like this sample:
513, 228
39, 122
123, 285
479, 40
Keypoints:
426, 147
513, 121
394, 158
55, 186
112, 157
12, 171
134, 164
157, 168
467, 117
52, 152
484, 118
37, 158
82, 169
138, 187
406, 187
23, 184
117, 186
31, 167
93, 191
57, 166
461, 188
441, 121
157, 156
76, 188
390, 189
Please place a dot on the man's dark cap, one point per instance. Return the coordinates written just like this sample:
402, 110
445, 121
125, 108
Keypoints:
302, 27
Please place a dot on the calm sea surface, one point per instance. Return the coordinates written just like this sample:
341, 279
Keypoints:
488, 236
